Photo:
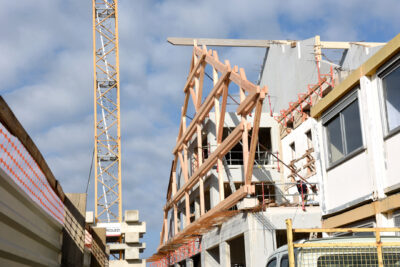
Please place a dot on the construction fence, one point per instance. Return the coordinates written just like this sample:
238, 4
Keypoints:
366, 247
18, 164
188, 250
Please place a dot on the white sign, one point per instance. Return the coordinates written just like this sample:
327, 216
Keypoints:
112, 229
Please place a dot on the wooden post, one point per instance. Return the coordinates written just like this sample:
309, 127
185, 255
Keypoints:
174, 187
186, 175
200, 161
217, 128
379, 247
165, 228
175, 219
245, 135
317, 48
254, 141
289, 232
198, 84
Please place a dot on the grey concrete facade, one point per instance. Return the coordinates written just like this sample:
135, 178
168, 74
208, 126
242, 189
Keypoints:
259, 234
132, 230
288, 70
29, 236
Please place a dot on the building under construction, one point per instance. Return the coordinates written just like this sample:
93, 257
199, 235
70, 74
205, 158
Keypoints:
316, 140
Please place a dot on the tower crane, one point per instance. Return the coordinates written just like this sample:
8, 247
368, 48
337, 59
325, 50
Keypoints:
107, 130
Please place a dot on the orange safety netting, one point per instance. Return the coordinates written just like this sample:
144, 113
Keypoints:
183, 252
20, 166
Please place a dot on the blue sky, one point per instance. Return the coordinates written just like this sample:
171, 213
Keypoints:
46, 71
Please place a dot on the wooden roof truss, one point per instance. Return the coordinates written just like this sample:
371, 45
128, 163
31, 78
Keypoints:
251, 100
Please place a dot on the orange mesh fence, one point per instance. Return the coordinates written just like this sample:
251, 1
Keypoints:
18, 164
182, 253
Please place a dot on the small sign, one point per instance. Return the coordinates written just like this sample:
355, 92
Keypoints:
112, 229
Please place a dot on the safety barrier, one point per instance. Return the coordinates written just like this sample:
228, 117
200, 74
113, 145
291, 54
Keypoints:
355, 251
182, 253
18, 164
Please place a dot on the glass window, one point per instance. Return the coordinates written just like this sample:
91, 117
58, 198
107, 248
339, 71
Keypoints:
335, 140
309, 139
284, 262
343, 130
352, 127
391, 87
272, 263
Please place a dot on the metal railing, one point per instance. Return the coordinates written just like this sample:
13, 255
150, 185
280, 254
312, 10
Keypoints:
268, 192
354, 251
261, 158
20, 166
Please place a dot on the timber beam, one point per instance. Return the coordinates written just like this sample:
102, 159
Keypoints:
224, 148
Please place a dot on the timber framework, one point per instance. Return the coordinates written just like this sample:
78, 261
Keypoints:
225, 81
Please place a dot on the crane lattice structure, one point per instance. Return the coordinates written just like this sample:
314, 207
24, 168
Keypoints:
108, 200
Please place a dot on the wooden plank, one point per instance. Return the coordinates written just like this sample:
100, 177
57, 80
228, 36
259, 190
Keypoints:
224, 148
346, 45
183, 166
164, 230
214, 62
254, 138
317, 49
201, 114
194, 99
193, 72
346, 230
222, 206
245, 134
244, 84
248, 104
225, 42
201, 83
234, 77
199, 163
175, 220
187, 209
183, 115
220, 128
290, 244
260, 43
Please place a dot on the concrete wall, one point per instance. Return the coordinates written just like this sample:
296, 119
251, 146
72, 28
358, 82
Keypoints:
29, 236
357, 55
287, 71
392, 149
133, 229
300, 140
258, 231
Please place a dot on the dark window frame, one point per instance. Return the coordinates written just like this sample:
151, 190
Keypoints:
332, 114
284, 257
388, 68
272, 260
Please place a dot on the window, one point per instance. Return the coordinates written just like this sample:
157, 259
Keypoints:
343, 129
284, 261
293, 150
309, 139
391, 91
272, 263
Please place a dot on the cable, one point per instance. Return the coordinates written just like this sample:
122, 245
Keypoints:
90, 172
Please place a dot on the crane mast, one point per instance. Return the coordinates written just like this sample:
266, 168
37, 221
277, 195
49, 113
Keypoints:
107, 131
